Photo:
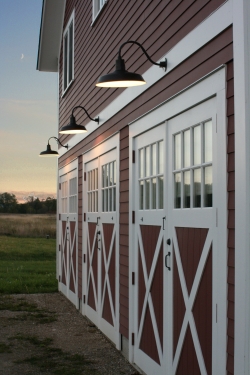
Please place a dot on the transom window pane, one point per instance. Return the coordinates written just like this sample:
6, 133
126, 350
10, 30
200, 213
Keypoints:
151, 177
109, 187
197, 144
192, 167
148, 161
208, 141
187, 148
177, 147
114, 172
73, 195
141, 162
154, 160
64, 189
160, 153
93, 190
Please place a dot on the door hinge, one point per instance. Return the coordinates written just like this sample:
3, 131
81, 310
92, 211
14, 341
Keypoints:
84, 298
133, 156
84, 216
84, 176
59, 185
84, 258
59, 247
133, 339
59, 216
133, 278
133, 217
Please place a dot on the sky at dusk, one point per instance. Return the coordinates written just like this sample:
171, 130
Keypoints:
28, 103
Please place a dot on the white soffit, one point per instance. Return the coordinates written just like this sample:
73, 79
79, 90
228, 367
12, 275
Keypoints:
50, 35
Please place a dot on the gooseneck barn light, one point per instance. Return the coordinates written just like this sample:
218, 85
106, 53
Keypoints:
121, 77
73, 127
50, 152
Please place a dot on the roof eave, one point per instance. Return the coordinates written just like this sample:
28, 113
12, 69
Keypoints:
50, 35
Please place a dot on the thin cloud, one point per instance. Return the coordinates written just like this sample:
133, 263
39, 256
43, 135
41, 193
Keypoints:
22, 56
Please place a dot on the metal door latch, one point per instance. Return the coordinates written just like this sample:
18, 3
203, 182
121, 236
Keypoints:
166, 261
163, 222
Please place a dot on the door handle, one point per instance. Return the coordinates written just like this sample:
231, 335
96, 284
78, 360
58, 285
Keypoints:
164, 218
166, 261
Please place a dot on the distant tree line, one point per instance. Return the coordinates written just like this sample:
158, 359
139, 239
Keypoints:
9, 204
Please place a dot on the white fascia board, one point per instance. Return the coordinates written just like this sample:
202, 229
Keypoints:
218, 21
68, 167
241, 35
50, 35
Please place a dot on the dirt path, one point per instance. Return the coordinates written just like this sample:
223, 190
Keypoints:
45, 334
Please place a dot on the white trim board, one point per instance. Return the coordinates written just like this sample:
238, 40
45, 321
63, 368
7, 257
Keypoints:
68, 167
202, 34
241, 34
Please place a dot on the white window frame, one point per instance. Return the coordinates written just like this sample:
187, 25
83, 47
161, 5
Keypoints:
66, 32
97, 6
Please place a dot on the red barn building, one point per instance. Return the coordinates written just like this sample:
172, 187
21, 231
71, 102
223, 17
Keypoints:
154, 211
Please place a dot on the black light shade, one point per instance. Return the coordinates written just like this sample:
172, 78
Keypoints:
73, 127
121, 77
49, 152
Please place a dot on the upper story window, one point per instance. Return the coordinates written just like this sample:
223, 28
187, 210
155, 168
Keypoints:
97, 6
68, 53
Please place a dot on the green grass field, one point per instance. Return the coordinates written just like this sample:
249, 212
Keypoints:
18, 225
27, 265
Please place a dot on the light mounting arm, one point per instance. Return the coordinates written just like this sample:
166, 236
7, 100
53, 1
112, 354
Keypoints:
58, 141
161, 64
92, 119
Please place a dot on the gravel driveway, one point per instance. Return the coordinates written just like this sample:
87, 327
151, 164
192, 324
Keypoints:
45, 334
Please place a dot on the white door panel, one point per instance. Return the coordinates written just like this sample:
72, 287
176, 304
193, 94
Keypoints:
101, 229
177, 236
68, 208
